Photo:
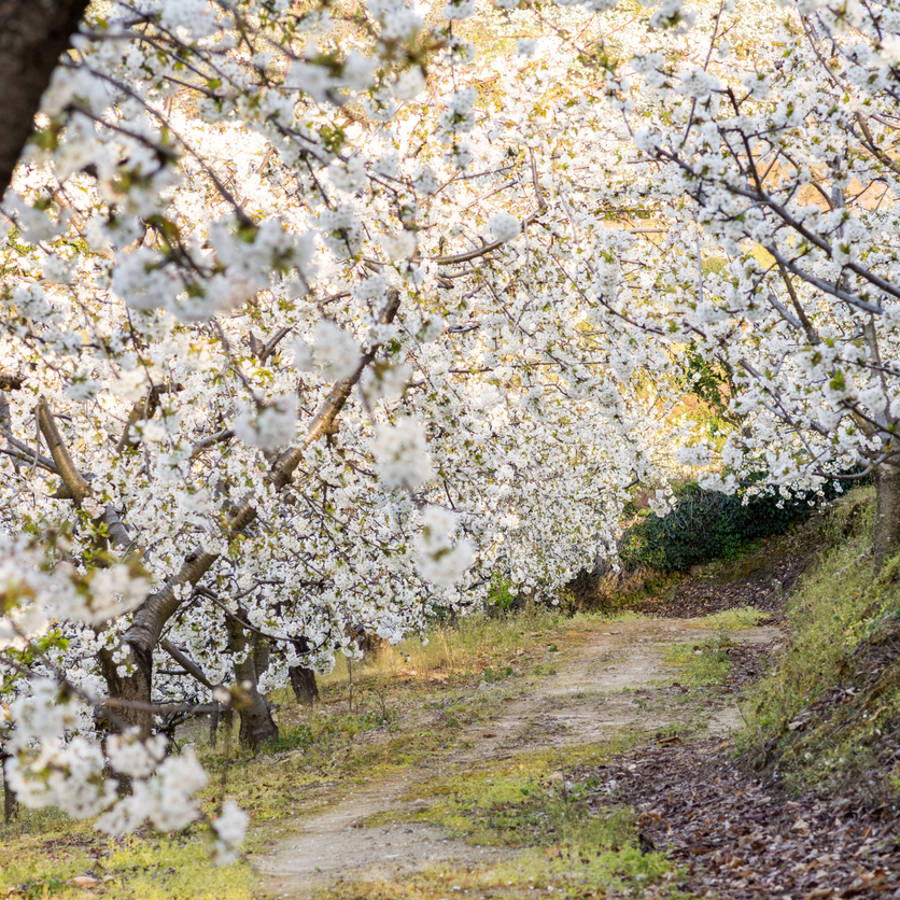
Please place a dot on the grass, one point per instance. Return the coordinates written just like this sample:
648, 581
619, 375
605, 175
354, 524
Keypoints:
545, 814
738, 617
524, 801
466, 647
830, 708
701, 664
73, 863
574, 869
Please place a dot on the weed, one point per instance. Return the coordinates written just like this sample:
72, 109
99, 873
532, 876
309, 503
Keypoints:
542, 669
500, 599
491, 675
706, 663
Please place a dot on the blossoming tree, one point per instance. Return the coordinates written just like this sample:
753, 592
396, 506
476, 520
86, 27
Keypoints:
286, 358
769, 138
316, 320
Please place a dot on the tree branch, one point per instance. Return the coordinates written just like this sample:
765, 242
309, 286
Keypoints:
161, 605
73, 480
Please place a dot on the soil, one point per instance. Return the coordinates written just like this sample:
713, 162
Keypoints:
764, 584
610, 683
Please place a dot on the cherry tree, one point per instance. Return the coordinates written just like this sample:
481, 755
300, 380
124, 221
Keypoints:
317, 321
288, 355
767, 136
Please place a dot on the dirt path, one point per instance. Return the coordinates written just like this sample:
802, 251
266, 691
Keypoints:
599, 689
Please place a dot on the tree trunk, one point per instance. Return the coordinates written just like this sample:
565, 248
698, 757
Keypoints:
33, 34
371, 645
135, 687
886, 535
303, 680
10, 804
214, 718
257, 725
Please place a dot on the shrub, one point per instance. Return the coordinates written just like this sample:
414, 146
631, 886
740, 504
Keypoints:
705, 525
501, 599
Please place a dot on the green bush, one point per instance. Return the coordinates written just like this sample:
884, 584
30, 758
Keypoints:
705, 525
501, 599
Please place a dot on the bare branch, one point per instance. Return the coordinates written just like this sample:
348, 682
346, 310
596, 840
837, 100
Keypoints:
185, 661
74, 481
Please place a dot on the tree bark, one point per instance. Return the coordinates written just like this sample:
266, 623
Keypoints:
251, 658
214, 718
134, 687
886, 535
10, 804
371, 645
303, 680
33, 34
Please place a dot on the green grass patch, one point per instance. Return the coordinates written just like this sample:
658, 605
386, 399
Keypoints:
701, 664
524, 801
78, 863
457, 651
829, 712
549, 808
728, 619
572, 869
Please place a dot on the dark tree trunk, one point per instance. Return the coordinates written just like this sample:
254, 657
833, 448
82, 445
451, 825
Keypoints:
303, 680
214, 718
257, 725
886, 535
261, 652
371, 644
140, 640
33, 34
134, 687
10, 804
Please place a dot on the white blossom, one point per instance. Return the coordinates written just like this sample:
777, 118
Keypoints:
505, 227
